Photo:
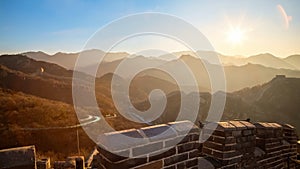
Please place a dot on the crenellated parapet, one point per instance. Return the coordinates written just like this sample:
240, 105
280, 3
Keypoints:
231, 144
162, 146
175, 145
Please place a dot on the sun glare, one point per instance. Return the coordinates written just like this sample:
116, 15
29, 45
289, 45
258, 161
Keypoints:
235, 36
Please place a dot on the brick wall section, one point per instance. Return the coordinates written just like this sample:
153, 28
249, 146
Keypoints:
246, 142
269, 137
240, 144
18, 158
43, 163
290, 149
72, 162
178, 147
279, 144
232, 144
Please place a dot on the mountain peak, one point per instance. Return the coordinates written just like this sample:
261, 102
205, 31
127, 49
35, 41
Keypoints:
263, 55
186, 57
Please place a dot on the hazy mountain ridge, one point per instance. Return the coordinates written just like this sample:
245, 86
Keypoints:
293, 60
31, 66
276, 100
68, 60
259, 68
20, 73
236, 77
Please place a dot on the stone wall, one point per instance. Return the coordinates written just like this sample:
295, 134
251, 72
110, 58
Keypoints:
43, 163
170, 145
72, 162
240, 144
232, 144
270, 140
20, 157
290, 149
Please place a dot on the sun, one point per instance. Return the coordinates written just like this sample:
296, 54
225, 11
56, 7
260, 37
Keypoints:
236, 36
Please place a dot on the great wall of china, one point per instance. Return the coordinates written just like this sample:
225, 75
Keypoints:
232, 144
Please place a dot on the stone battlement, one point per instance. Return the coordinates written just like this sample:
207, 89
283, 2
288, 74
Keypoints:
240, 144
150, 147
232, 144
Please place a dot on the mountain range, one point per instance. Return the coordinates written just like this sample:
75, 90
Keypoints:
239, 72
29, 86
20, 73
68, 60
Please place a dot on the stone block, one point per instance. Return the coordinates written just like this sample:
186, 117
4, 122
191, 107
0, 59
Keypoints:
238, 124
247, 132
262, 125
208, 163
175, 159
222, 140
248, 124
152, 165
159, 132
194, 153
231, 161
127, 163
288, 127
225, 126
146, 149
184, 127
237, 133
121, 140
222, 133
170, 167
162, 154
191, 163
275, 125
176, 141
70, 164
79, 161
220, 155
181, 165
186, 147
131, 162
41, 164
114, 156
219, 147
193, 137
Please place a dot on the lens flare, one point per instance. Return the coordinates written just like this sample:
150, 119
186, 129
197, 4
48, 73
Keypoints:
286, 18
235, 36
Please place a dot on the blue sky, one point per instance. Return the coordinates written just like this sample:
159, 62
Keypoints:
66, 25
